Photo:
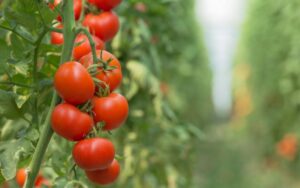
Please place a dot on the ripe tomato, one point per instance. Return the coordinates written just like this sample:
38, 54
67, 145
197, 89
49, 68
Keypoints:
84, 47
21, 178
93, 153
112, 110
105, 5
104, 25
41, 182
73, 83
70, 123
77, 4
112, 78
57, 38
105, 176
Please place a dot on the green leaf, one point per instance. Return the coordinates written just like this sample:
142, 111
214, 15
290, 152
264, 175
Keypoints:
19, 47
4, 49
22, 12
11, 153
8, 106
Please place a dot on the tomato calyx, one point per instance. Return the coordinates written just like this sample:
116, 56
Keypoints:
91, 8
86, 107
103, 88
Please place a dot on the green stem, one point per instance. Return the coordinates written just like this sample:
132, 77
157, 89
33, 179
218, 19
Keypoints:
47, 132
68, 30
57, 30
41, 147
92, 43
18, 34
35, 90
82, 15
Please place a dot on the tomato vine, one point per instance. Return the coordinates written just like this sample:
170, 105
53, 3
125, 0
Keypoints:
47, 132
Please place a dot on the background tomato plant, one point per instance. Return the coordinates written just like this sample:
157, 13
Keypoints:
164, 69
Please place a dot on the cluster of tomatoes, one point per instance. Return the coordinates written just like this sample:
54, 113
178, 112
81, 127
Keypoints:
89, 103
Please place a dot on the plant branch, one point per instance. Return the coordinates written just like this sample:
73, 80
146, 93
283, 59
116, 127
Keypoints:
35, 90
47, 132
92, 43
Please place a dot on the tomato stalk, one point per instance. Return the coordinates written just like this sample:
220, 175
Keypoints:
47, 132
92, 43
35, 89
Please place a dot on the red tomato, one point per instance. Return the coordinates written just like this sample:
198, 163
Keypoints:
21, 178
112, 110
105, 5
73, 83
57, 38
105, 176
104, 25
77, 4
41, 182
70, 123
93, 153
84, 47
112, 78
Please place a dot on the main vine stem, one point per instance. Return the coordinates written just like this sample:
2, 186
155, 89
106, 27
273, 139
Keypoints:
47, 132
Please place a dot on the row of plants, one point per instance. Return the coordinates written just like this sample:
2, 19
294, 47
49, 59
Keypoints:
266, 94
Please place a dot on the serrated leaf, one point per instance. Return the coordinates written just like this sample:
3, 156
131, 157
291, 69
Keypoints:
8, 106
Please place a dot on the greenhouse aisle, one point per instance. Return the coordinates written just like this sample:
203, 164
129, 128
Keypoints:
221, 21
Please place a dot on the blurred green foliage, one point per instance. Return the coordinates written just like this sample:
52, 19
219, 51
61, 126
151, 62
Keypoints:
272, 45
245, 153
